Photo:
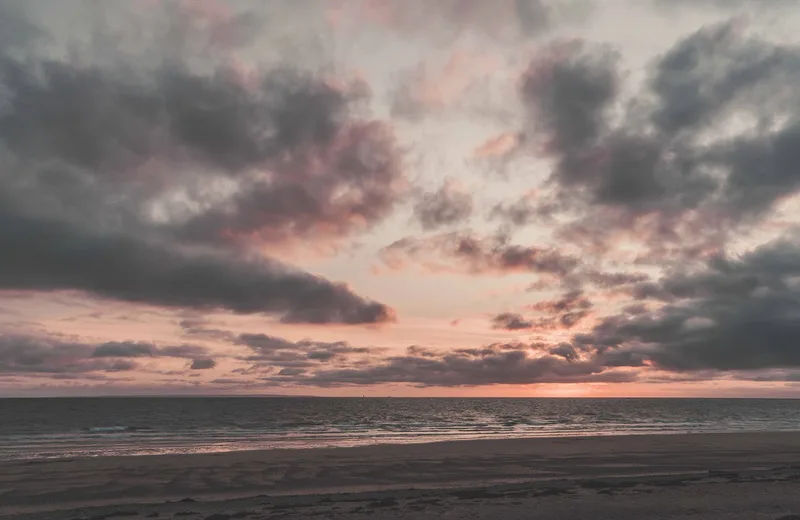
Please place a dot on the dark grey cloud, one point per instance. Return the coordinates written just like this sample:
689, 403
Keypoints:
584, 275
735, 314
566, 351
572, 300
569, 90
417, 350
511, 321
25, 354
562, 313
703, 73
228, 381
202, 328
46, 255
29, 354
362, 160
776, 375
291, 372
182, 351
202, 364
495, 364
264, 343
606, 280
569, 320
444, 207
662, 168
125, 349
463, 251
272, 351
137, 349
108, 122
514, 321
762, 170
565, 321
110, 175
635, 309
718, 70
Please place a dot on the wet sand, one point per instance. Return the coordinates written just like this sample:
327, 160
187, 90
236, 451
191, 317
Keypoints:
741, 475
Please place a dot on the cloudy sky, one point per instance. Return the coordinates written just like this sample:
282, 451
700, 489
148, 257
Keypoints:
400, 197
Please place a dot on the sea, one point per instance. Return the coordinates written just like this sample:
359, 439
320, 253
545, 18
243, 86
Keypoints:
37, 428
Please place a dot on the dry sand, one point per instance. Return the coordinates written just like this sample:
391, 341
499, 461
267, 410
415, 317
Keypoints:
704, 476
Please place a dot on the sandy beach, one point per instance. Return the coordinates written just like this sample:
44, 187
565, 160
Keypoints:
747, 475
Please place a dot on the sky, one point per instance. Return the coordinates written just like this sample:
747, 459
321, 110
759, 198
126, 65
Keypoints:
403, 198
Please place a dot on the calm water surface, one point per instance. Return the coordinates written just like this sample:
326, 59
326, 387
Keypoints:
75, 427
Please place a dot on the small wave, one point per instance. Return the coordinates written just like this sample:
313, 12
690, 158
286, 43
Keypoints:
107, 429
118, 429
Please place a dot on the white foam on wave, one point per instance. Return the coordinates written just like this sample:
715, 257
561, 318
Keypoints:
108, 429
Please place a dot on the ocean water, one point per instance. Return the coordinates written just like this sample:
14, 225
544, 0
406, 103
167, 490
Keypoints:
80, 427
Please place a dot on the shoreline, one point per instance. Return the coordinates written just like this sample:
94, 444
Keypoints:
46, 485
434, 440
381, 445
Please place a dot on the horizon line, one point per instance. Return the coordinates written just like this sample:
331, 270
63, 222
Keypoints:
285, 396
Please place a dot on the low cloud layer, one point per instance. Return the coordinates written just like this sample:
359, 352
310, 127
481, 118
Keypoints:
271, 352
494, 364
735, 314
28, 354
